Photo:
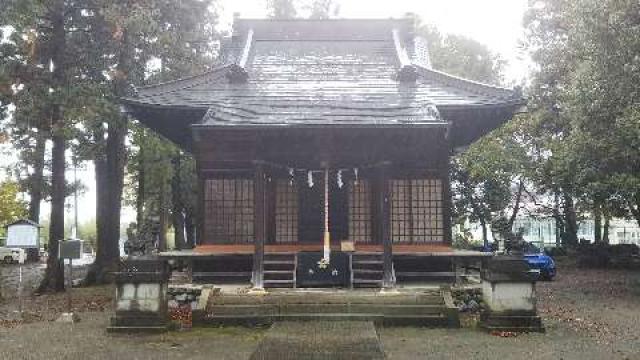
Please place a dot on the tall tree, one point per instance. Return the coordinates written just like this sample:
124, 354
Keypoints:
158, 182
323, 9
488, 180
177, 35
460, 55
583, 88
281, 9
23, 65
54, 275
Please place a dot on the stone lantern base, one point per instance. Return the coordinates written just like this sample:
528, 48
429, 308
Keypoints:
508, 289
141, 296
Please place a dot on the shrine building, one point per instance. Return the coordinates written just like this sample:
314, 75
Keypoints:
323, 151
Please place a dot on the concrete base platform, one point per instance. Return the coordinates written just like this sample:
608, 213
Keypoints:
403, 308
319, 340
137, 329
511, 322
140, 324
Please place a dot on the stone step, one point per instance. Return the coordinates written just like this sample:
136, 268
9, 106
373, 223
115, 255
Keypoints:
222, 275
279, 262
373, 282
278, 272
278, 281
367, 262
137, 329
279, 256
361, 256
367, 276
254, 320
387, 310
518, 323
314, 297
367, 271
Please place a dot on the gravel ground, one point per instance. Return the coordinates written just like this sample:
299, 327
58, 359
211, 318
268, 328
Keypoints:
9, 275
31, 275
320, 340
589, 314
89, 340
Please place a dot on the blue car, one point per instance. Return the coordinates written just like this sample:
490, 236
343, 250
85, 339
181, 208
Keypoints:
538, 260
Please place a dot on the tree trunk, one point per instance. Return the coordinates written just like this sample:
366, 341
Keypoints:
94, 274
485, 237
516, 206
177, 213
605, 235
556, 217
570, 221
178, 223
189, 225
54, 275
115, 163
140, 198
109, 184
162, 236
634, 207
37, 179
112, 173
597, 223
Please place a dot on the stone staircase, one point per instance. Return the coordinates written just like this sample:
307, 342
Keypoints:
406, 307
280, 270
366, 270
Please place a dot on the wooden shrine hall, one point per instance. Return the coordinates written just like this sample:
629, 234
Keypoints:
322, 150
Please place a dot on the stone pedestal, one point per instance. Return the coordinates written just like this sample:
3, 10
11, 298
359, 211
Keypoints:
141, 296
508, 290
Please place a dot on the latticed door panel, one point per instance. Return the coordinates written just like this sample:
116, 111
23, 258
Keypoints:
360, 211
229, 211
286, 212
417, 211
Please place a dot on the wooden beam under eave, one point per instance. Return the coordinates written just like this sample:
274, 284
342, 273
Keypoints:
238, 71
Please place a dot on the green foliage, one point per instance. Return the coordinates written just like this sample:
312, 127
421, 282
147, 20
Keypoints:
11, 208
584, 101
281, 9
323, 9
487, 177
312, 9
461, 56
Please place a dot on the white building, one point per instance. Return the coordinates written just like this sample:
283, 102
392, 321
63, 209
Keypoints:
543, 230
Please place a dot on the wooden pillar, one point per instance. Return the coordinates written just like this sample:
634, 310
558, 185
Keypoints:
260, 225
384, 213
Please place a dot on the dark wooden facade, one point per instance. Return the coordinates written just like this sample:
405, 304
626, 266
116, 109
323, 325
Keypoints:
414, 163
354, 98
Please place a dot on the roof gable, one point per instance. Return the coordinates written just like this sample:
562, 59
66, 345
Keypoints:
323, 72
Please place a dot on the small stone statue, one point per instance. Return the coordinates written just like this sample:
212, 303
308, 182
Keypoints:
513, 242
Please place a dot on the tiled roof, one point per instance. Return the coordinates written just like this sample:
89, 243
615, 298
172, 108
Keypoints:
310, 72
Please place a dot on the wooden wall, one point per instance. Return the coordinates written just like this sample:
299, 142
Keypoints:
417, 171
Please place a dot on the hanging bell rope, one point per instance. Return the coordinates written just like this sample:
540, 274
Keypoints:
327, 235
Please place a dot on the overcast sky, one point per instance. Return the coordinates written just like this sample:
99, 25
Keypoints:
496, 23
